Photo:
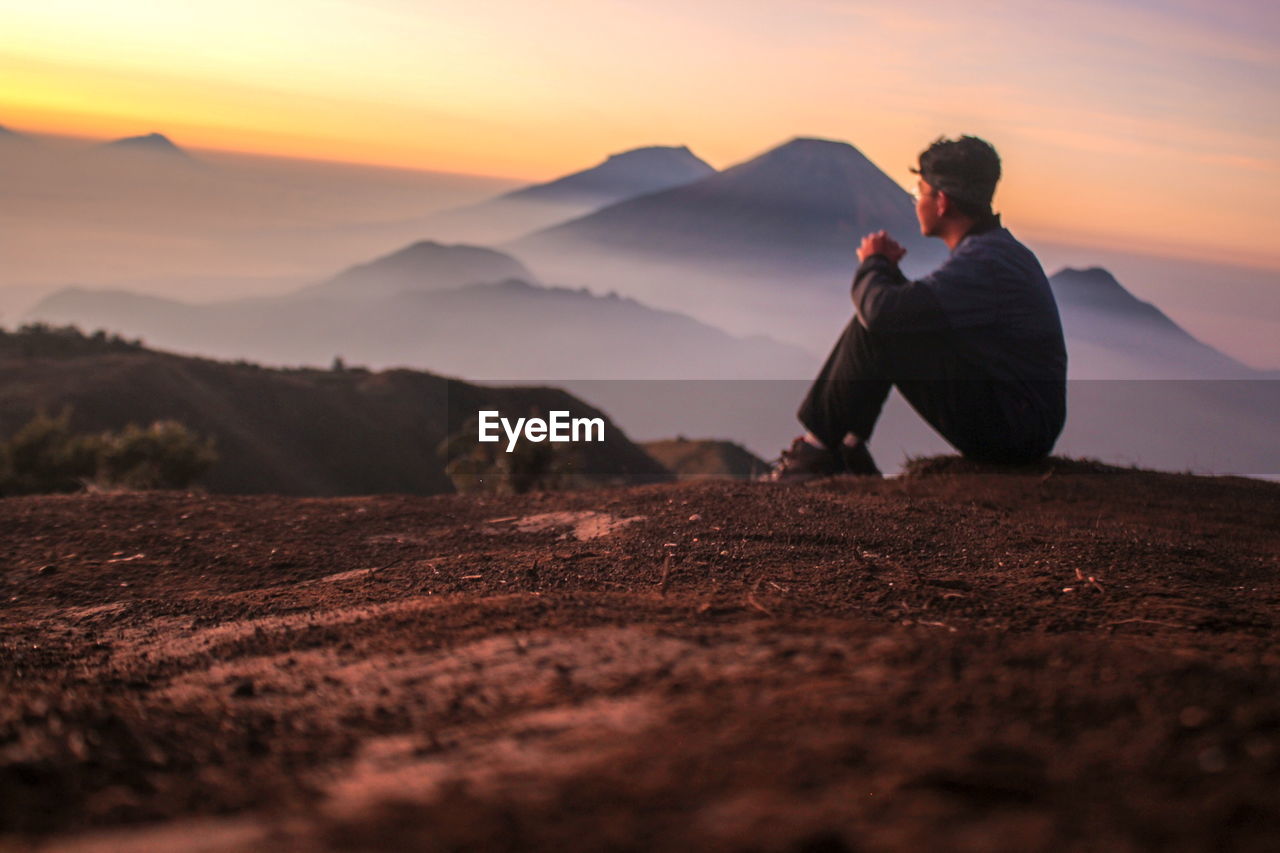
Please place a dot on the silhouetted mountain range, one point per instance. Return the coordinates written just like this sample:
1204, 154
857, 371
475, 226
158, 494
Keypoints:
804, 203
425, 265
622, 176
1113, 334
511, 329
755, 248
301, 432
156, 143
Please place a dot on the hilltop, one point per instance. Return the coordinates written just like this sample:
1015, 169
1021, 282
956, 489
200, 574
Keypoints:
1051, 661
288, 431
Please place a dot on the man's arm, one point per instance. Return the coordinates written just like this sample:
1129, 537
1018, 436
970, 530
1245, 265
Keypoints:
885, 299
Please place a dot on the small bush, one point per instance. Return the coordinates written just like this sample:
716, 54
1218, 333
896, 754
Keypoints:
164, 455
46, 456
488, 468
42, 340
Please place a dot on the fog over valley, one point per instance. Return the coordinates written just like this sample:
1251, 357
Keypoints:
197, 225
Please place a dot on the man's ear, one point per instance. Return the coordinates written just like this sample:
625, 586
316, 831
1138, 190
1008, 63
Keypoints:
944, 203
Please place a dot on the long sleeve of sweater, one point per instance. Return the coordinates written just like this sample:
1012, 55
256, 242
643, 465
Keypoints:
888, 302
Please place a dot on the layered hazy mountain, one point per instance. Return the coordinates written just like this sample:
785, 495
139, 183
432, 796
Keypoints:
629, 174
761, 247
804, 203
151, 143
408, 309
1111, 334
206, 225
425, 265
480, 313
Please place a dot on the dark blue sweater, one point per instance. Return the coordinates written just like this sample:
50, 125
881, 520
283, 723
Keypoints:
992, 308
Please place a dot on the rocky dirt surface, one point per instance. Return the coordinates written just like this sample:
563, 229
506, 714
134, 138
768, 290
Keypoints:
958, 662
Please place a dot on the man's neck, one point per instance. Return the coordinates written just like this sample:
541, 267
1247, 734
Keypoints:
955, 231
958, 229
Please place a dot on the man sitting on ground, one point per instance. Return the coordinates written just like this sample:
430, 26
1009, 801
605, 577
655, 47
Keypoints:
975, 347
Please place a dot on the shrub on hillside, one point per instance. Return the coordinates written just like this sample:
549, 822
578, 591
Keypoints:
164, 455
42, 340
45, 455
474, 467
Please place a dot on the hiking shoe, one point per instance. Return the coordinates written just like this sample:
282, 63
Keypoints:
803, 461
857, 460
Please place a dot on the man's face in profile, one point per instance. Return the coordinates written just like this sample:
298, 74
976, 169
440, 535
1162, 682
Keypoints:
927, 211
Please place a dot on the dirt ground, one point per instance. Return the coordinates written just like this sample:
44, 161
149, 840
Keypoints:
963, 662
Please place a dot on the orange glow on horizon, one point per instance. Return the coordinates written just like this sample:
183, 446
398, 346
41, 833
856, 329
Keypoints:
1156, 137
1021, 213
102, 128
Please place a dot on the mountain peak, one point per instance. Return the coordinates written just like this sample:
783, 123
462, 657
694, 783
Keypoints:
827, 176
422, 266
809, 151
1097, 289
1091, 283
153, 141
808, 196
815, 143
671, 153
1089, 273
623, 175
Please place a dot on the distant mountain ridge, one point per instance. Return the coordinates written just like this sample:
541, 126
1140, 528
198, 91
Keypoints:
1110, 332
765, 246
153, 142
807, 200
621, 176
506, 329
759, 248
1097, 289
425, 265
630, 173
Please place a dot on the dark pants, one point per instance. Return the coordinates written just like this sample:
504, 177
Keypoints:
985, 419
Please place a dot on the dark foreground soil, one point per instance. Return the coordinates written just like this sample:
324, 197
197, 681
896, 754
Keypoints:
959, 662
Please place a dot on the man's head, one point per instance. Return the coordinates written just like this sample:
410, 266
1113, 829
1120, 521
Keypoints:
957, 181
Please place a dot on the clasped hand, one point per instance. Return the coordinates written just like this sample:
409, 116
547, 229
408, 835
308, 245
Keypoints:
880, 243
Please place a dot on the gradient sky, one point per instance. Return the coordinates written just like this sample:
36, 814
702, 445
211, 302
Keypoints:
1152, 126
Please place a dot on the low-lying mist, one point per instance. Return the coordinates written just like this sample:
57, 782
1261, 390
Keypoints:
201, 225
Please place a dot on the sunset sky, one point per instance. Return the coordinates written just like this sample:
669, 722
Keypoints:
1148, 124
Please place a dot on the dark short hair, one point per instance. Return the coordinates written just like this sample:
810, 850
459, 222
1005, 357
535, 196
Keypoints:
966, 169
